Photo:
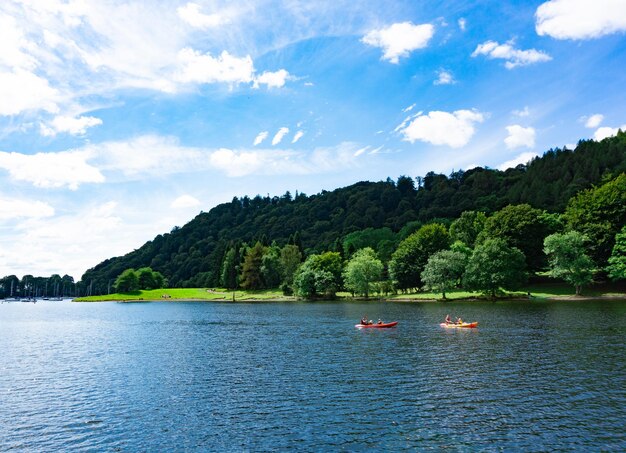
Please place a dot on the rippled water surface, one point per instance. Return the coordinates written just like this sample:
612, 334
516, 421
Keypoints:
238, 377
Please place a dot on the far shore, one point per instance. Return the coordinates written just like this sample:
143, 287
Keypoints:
553, 293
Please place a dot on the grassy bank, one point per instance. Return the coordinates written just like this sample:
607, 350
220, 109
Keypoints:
168, 294
545, 291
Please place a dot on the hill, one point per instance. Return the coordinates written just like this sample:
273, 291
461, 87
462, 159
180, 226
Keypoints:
192, 255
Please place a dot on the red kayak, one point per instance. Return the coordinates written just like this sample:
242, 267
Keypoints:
384, 325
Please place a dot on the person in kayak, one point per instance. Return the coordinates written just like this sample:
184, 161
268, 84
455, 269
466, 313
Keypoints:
448, 319
459, 321
379, 321
365, 322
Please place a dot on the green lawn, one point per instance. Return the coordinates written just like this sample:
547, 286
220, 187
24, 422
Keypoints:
213, 294
544, 290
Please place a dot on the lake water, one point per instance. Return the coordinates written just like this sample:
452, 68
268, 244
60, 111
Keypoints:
298, 376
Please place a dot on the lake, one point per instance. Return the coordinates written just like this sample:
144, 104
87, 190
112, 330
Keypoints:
162, 376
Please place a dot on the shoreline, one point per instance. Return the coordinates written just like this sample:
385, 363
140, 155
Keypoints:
555, 298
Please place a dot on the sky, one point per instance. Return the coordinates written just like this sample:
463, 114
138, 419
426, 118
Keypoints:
120, 120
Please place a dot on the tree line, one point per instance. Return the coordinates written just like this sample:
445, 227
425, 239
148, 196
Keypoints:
477, 252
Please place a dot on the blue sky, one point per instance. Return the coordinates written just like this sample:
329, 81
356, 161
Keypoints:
120, 120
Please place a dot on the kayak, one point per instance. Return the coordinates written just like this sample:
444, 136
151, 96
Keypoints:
463, 325
384, 325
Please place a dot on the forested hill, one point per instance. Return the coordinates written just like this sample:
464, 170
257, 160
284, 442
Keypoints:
192, 255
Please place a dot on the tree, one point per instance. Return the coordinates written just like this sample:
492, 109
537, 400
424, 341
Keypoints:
362, 271
319, 275
568, 259
409, 259
271, 267
494, 265
617, 261
523, 227
146, 278
251, 277
127, 281
229, 277
599, 214
290, 259
467, 227
444, 270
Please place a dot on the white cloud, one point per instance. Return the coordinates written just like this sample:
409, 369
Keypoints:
593, 121
279, 135
51, 170
241, 163
444, 78
272, 79
462, 24
204, 68
13, 208
191, 14
298, 135
520, 137
443, 128
408, 109
400, 39
260, 138
148, 155
514, 57
58, 243
580, 19
523, 158
522, 113
604, 132
237, 163
69, 124
184, 202
21, 91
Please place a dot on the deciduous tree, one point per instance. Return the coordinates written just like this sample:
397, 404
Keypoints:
494, 265
444, 270
568, 258
362, 271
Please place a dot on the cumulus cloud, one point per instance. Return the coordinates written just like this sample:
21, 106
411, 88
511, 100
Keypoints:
443, 128
204, 68
70, 125
514, 57
191, 14
298, 135
444, 78
275, 79
52, 170
523, 158
279, 135
580, 19
593, 121
260, 138
184, 202
14, 208
520, 137
605, 132
400, 39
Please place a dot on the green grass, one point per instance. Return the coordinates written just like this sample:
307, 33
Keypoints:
546, 290
213, 294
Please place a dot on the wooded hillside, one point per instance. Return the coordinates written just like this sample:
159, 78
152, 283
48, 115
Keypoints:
193, 254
